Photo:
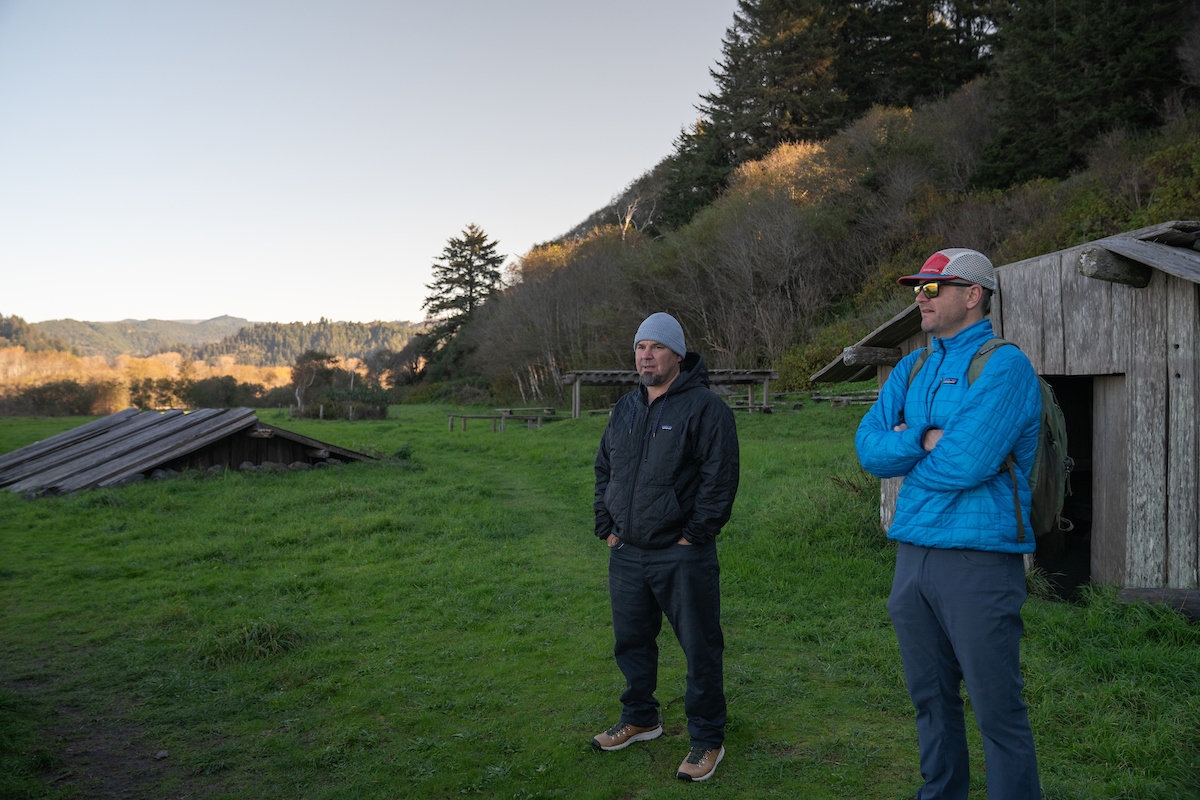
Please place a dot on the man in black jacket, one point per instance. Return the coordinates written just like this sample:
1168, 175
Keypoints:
666, 477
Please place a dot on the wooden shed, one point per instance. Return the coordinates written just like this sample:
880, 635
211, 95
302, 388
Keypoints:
1113, 326
131, 443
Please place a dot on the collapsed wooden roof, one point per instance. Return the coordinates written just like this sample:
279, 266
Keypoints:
1129, 257
111, 450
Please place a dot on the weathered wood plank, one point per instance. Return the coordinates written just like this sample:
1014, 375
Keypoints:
856, 355
1052, 316
1185, 601
1100, 263
1172, 260
1121, 336
53, 465
1110, 470
997, 314
1147, 385
65, 439
888, 492
183, 441
1023, 310
1087, 321
1183, 523
1175, 232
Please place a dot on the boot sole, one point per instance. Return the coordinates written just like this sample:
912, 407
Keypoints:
683, 776
645, 736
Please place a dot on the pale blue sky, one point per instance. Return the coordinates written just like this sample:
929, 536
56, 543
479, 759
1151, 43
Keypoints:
290, 159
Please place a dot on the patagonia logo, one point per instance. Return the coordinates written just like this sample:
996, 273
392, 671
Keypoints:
667, 427
949, 380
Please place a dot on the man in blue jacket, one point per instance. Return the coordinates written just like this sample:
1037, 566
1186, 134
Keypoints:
666, 477
960, 581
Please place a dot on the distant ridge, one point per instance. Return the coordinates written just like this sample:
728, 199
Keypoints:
140, 337
254, 343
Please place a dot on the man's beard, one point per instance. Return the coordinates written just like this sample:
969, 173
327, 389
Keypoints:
650, 379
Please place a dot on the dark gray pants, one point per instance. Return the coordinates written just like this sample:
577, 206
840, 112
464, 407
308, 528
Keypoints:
957, 615
683, 582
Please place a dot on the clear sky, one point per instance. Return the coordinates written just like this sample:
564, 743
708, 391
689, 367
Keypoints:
284, 160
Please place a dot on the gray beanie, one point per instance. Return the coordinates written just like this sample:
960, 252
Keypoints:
661, 327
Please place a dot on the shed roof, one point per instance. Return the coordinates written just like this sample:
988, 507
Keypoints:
111, 449
1170, 247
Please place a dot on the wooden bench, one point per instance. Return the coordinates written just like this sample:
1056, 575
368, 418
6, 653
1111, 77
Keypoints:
528, 419
465, 417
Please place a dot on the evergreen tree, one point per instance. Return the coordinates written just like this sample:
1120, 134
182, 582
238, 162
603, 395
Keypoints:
774, 84
467, 273
1070, 70
794, 70
897, 52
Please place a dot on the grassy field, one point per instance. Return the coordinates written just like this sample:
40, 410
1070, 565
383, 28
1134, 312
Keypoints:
437, 625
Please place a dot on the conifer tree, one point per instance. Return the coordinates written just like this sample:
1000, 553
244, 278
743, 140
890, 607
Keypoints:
794, 70
1070, 70
467, 273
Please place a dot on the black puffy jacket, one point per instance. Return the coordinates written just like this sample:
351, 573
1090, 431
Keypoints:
668, 469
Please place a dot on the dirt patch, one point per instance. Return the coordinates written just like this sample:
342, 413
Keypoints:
100, 757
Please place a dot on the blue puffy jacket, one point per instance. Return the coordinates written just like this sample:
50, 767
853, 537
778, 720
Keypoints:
960, 495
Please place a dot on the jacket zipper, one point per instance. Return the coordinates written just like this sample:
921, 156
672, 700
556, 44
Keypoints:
637, 467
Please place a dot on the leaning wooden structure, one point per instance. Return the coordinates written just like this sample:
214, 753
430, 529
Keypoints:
1114, 326
131, 443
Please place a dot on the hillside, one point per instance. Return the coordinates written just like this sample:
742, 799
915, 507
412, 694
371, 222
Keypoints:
139, 337
281, 343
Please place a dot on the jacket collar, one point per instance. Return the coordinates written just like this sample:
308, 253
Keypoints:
969, 338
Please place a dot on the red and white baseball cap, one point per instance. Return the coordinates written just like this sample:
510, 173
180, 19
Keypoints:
956, 263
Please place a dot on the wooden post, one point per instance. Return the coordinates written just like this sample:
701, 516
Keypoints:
766, 392
493, 424
576, 409
451, 418
749, 398
321, 411
503, 418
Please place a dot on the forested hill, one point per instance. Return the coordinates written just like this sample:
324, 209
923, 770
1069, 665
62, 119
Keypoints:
138, 337
280, 343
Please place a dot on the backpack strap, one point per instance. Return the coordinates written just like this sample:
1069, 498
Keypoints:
980, 359
920, 362
1011, 463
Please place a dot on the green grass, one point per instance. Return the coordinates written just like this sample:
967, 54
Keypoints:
437, 625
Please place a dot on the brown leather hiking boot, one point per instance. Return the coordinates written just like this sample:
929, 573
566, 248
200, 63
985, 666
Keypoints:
623, 734
700, 764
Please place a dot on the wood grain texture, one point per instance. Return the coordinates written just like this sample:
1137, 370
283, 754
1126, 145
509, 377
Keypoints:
1050, 278
1110, 470
1146, 547
1183, 314
1088, 324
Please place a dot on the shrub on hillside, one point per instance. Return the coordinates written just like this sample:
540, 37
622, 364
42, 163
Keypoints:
66, 398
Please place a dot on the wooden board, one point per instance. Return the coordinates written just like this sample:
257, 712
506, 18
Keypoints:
1172, 260
64, 439
1110, 470
1182, 485
57, 464
1087, 322
1146, 544
889, 490
1023, 310
1052, 316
